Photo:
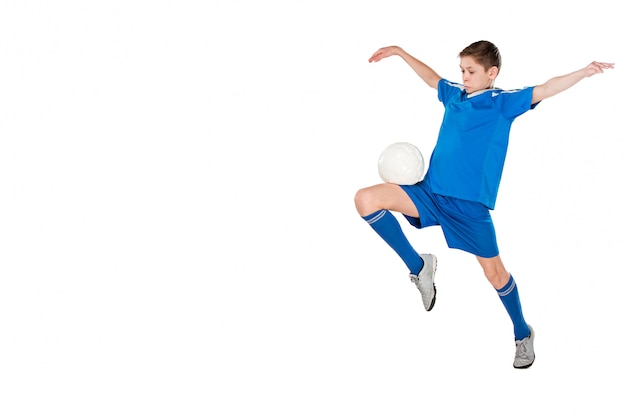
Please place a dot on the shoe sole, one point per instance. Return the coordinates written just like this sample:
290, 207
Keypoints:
525, 366
432, 303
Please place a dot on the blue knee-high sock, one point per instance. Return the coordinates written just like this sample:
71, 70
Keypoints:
509, 296
388, 227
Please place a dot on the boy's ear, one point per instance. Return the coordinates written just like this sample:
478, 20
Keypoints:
493, 72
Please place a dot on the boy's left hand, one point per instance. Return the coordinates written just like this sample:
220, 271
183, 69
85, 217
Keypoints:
597, 68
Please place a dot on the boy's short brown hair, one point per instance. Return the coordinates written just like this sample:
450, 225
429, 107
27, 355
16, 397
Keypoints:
485, 53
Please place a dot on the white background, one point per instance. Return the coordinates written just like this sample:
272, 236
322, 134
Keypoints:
177, 229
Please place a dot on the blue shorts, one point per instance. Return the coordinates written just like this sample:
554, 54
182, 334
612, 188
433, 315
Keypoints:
466, 225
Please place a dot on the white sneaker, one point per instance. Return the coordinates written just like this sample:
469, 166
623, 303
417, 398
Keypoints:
425, 280
525, 351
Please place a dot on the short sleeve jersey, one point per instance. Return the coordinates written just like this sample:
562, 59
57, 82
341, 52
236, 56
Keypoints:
468, 159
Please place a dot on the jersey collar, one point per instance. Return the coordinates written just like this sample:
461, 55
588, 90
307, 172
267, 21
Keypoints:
479, 92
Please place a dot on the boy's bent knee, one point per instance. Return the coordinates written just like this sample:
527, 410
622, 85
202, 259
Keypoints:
363, 202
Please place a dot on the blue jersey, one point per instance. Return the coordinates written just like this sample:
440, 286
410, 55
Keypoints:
468, 159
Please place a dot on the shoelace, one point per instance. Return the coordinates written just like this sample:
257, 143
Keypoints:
522, 349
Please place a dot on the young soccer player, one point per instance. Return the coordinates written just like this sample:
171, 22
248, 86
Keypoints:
461, 184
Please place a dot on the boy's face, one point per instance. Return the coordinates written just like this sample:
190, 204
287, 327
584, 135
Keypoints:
475, 77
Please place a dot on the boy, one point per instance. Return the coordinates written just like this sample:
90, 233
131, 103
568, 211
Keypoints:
461, 184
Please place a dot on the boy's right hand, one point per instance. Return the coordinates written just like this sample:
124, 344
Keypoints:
384, 53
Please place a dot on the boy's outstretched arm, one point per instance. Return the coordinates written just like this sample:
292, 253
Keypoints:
426, 73
557, 84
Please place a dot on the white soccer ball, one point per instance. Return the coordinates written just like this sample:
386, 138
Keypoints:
401, 163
